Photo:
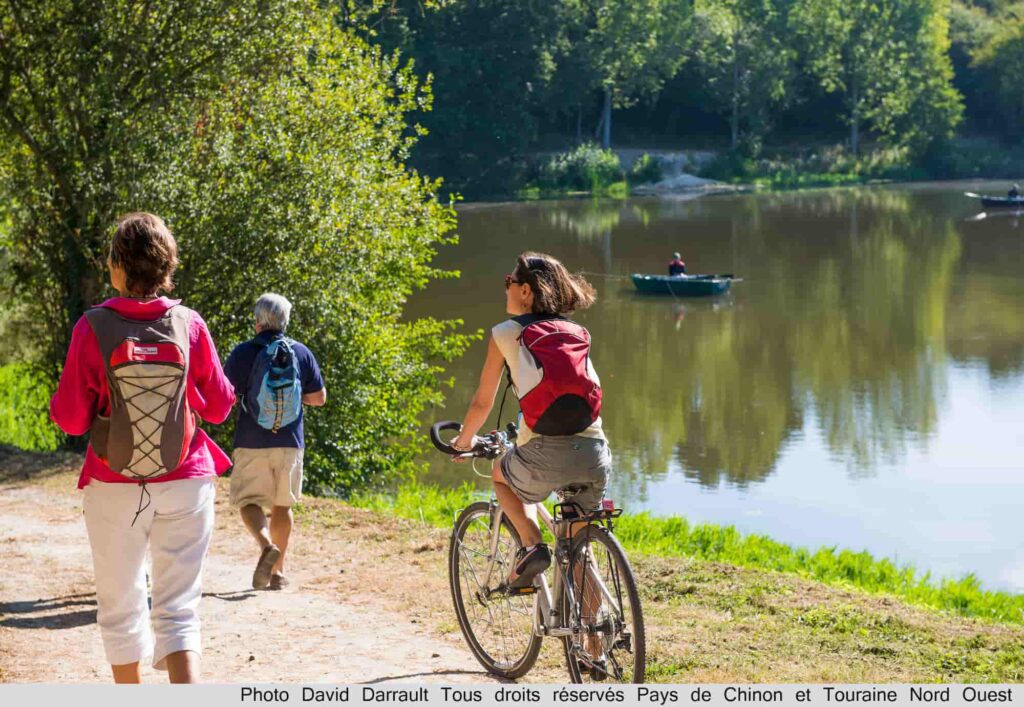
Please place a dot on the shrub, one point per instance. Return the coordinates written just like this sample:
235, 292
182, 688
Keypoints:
586, 168
24, 409
645, 170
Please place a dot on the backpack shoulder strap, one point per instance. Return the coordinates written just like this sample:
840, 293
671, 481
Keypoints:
525, 320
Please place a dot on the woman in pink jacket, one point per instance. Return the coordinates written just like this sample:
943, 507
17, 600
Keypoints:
140, 370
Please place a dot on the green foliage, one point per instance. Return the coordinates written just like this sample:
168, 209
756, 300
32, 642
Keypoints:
622, 49
739, 48
1002, 59
586, 168
645, 170
274, 144
823, 166
25, 409
91, 94
677, 537
300, 189
889, 60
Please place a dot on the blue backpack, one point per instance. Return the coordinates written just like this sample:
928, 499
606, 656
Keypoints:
274, 397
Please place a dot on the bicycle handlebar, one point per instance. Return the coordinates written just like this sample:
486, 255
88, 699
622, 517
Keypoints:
435, 436
488, 446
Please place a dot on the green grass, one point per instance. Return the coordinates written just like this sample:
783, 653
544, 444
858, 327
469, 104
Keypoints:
677, 537
24, 410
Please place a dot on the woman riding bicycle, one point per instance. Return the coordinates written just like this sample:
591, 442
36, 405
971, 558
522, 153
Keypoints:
560, 442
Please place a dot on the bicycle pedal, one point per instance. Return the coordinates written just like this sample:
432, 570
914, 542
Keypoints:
521, 591
503, 590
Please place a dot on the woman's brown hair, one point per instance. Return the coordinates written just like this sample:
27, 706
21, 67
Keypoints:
145, 249
555, 289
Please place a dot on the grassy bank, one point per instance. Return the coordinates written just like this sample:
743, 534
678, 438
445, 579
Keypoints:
676, 537
589, 170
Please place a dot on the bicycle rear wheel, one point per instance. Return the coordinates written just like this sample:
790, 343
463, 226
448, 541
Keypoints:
603, 602
498, 628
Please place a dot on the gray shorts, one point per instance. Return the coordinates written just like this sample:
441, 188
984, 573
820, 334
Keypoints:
546, 464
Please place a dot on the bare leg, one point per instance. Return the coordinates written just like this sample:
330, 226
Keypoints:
523, 519
127, 674
256, 522
280, 531
591, 599
183, 667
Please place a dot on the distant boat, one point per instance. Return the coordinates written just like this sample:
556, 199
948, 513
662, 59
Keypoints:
683, 285
998, 201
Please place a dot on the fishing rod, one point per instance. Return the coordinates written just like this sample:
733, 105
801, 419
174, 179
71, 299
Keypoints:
613, 276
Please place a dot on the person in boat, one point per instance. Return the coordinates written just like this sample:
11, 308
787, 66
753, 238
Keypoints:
676, 266
1014, 192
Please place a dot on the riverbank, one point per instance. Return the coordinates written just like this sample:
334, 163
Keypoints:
675, 537
636, 171
361, 575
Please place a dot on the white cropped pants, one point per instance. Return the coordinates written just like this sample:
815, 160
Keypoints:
176, 528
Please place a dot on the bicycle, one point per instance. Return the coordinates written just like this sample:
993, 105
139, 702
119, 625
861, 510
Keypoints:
591, 602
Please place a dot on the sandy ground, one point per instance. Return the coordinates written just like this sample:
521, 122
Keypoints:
311, 632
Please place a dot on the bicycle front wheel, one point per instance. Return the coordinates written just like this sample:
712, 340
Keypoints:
604, 607
497, 627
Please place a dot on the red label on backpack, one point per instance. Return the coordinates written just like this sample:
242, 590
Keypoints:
134, 352
567, 398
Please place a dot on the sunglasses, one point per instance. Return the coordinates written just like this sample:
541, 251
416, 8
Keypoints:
509, 281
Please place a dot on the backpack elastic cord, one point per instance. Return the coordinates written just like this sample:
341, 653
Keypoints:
149, 499
144, 438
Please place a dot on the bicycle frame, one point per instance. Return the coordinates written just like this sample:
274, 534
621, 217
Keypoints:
548, 620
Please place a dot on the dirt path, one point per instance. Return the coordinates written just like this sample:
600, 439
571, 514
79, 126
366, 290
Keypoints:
48, 611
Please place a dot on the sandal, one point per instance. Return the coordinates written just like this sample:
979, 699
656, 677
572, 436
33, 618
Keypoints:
261, 577
278, 582
529, 564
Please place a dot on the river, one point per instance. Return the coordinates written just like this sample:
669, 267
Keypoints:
862, 387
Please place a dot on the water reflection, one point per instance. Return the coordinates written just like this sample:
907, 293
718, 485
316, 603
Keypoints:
846, 322
833, 360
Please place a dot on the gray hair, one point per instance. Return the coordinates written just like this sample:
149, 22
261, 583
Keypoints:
272, 312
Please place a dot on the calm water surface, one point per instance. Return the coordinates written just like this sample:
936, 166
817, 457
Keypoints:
862, 387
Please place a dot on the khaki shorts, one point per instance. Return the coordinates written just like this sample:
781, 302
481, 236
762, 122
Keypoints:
266, 477
546, 464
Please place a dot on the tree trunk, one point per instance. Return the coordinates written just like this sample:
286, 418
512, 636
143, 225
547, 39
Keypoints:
579, 124
855, 120
606, 133
734, 119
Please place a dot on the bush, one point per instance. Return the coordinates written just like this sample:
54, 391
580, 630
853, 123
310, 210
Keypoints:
818, 166
586, 168
298, 186
645, 170
286, 172
25, 409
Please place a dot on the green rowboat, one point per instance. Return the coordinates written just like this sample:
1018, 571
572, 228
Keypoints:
682, 285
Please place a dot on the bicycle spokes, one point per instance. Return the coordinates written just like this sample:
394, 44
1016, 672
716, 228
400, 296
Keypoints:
603, 616
502, 624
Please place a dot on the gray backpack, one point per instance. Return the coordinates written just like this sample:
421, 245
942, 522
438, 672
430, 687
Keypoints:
151, 426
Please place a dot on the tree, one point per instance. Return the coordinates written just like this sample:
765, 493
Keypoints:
90, 91
625, 49
889, 60
738, 48
288, 175
490, 63
1002, 61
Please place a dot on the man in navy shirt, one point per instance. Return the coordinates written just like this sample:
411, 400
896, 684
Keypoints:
268, 464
